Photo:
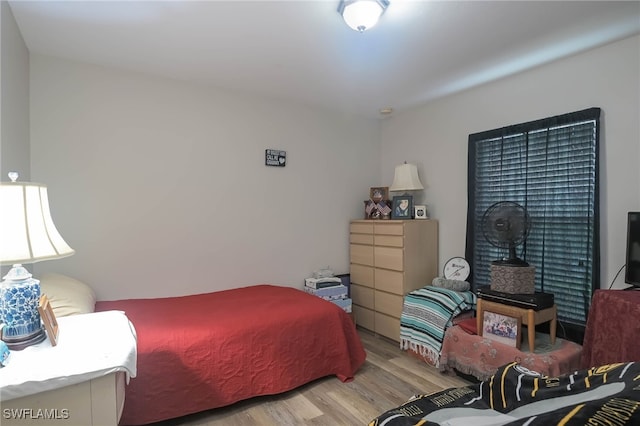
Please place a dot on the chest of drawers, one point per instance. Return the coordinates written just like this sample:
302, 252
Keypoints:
388, 259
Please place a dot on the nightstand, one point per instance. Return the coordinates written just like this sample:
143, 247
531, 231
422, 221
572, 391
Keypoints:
80, 381
529, 317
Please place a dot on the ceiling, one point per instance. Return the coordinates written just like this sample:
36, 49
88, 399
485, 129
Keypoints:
303, 51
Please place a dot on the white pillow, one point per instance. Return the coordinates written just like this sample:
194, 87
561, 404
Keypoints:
67, 296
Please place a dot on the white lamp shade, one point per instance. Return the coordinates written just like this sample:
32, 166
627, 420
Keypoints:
27, 232
363, 14
406, 178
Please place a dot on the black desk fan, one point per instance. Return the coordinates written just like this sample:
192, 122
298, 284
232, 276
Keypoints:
506, 225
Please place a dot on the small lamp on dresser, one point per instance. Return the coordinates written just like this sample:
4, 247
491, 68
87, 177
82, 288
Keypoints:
405, 180
27, 235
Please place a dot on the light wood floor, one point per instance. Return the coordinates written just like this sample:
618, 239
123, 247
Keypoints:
387, 379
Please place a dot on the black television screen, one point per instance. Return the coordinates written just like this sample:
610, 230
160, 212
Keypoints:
632, 270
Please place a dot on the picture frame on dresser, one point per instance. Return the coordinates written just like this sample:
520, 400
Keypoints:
48, 319
402, 207
502, 328
420, 212
379, 193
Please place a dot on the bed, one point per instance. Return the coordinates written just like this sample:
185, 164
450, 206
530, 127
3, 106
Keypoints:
606, 395
210, 350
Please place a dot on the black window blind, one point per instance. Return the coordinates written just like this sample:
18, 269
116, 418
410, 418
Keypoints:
550, 167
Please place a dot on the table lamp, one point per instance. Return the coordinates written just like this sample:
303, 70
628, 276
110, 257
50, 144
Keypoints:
406, 178
27, 235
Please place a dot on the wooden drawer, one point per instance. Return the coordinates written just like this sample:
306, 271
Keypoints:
364, 318
387, 326
363, 275
361, 239
93, 402
389, 228
388, 258
388, 240
361, 228
361, 254
387, 303
389, 281
362, 296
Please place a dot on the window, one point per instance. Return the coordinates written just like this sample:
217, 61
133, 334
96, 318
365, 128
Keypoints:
550, 167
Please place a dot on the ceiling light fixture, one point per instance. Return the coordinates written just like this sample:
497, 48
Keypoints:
362, 14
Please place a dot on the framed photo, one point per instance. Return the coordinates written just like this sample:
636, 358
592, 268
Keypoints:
48, 319
502, 328
402, 207
379, 193
420, 212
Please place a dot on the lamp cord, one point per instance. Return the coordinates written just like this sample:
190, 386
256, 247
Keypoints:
614, 278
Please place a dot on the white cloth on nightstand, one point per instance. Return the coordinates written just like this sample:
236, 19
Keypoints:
89, 346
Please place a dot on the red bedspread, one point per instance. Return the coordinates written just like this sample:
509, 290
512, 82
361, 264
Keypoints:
210, 350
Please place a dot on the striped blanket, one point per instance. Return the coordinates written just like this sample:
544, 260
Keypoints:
426, 314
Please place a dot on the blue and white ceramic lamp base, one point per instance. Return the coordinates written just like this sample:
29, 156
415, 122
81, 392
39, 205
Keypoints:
19, 313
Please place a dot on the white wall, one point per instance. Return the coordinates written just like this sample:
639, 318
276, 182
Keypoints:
141, 169
161, 187
435, 137
14, 99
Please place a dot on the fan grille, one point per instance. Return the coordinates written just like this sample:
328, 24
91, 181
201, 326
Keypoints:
506, 224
